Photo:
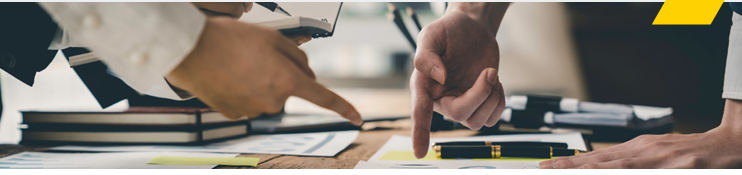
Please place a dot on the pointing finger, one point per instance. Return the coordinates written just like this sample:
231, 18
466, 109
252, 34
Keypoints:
422, 113
312, 91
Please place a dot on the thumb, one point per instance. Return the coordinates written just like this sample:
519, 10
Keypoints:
422, 113
427, 55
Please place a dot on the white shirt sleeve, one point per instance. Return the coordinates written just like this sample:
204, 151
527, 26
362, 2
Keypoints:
733, 72
140, 42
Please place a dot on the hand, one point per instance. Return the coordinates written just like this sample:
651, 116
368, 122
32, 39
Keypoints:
717, 148
455, 74
235, 10
242, 69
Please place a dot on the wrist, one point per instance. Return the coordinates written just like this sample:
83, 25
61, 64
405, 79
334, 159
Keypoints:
732, 118
184, 74
489, 14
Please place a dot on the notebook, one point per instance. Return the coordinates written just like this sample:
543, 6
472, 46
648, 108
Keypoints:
173, 116
315, 18
136, 125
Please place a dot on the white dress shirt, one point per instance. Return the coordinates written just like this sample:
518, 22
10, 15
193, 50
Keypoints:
733, 72
140, 42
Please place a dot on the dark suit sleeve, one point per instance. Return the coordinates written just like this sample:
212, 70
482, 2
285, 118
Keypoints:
26, 31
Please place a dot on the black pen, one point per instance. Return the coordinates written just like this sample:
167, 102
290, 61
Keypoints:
413, 15
397, 18
498, 151
489, 143
273, 7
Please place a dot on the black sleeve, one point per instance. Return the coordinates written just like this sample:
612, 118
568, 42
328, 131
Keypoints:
26, 31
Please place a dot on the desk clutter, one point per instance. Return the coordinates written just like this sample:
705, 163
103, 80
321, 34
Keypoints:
553, 114
145, 137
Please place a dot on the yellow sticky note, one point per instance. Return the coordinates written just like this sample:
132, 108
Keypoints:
232, 161
409, 155
406, 155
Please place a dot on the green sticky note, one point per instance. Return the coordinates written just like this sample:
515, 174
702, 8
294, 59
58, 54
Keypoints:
232, 161
409, 155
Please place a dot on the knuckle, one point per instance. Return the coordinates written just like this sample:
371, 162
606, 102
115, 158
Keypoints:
693, 161
474, 125
418, 61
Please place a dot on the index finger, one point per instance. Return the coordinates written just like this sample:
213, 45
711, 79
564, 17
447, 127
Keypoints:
312, 91
422, 114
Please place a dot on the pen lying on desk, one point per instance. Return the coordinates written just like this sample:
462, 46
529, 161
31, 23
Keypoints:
489, 143
497, 151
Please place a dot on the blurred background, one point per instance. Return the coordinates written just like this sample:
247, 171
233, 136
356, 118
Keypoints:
602, 52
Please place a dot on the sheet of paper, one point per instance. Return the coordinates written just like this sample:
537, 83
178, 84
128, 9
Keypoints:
323, 11
326, 144
447, 165
231, 161
133, 160
398, 150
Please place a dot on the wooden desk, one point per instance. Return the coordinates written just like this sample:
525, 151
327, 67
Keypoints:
363, 148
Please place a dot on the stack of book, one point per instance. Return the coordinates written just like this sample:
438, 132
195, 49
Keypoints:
136, 125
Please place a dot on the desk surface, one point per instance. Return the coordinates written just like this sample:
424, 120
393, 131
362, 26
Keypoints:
363, 148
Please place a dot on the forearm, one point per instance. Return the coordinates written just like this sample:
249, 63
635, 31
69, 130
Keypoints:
490, 14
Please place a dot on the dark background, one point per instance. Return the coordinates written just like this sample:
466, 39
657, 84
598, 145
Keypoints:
625, 59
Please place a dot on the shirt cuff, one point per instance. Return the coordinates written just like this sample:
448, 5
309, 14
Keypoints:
141, 42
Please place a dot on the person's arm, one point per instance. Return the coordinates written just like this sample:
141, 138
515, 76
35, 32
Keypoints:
456, 64
129, 37
716, 148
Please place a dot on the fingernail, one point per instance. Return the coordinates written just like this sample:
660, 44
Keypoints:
437, 74
358, 121
491, 76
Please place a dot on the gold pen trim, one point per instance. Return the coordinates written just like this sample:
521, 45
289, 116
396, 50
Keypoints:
437, 149
497, 151
551, 152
